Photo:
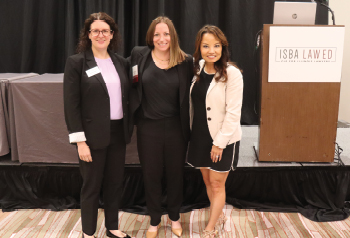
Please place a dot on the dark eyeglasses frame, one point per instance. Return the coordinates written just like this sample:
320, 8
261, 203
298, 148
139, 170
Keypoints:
110, 31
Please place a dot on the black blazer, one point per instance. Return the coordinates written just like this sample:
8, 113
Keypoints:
138, 58
86, 99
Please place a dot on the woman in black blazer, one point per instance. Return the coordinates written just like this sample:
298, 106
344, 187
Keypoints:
95, 105
159, 106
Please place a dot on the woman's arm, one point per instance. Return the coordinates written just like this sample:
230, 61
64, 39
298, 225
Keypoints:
72, 107
234, 97
190, 66
72, 97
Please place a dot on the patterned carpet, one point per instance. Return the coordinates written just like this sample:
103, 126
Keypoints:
241, 223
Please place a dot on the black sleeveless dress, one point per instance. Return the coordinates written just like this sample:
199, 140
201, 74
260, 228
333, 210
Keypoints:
201, 142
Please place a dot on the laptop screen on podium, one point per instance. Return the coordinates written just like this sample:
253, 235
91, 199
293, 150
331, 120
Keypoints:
298, 13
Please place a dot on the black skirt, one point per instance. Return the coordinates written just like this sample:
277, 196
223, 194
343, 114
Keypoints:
201, 142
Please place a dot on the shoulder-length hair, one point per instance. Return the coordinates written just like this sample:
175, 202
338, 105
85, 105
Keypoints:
220, 65
84, 41
176, 54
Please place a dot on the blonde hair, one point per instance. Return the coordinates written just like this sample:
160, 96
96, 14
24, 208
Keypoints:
176, 54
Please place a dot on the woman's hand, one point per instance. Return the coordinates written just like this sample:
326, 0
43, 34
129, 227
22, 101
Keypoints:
216, 153
84, 151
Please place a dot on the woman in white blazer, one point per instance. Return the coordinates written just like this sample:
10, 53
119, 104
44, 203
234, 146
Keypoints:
215, 113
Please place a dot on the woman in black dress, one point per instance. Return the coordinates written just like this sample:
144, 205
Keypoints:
215, 112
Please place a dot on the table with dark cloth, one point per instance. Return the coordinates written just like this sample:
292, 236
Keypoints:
37, 126
5, 78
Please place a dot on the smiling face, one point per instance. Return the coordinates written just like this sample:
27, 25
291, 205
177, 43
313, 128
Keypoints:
100, 42
211, 48
161, 37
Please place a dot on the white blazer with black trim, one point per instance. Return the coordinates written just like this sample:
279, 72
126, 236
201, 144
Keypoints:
224, 104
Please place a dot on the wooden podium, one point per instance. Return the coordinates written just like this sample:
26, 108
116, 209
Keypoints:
298, 120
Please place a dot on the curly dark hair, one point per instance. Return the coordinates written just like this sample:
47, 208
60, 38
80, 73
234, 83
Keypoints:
84, 41
220, 65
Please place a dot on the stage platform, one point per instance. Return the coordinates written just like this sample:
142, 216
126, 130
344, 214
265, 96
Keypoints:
319, 191
247, 156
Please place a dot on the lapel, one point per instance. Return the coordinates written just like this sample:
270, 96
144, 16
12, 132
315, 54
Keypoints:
91, 63
211, 85
213, 81
120, 70
144, 54
192, 84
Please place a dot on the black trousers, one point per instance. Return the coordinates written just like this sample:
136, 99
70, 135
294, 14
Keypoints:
161, 145
105, 172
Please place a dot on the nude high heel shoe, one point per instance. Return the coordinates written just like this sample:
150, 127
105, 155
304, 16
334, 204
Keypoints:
209, 234
220, 223
84, 236
176, 231
152, 234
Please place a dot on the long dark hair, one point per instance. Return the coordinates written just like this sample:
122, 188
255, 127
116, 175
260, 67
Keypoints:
220, 65
84, 41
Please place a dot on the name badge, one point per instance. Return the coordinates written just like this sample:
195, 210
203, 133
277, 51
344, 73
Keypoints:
135, 74
92, 71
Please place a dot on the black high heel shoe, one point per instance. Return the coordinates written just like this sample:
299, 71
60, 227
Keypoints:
110, 234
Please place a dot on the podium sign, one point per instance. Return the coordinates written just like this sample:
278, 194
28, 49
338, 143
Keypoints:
299, 97
308, 54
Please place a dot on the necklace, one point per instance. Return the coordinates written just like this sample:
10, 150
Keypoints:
158, 58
